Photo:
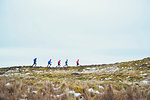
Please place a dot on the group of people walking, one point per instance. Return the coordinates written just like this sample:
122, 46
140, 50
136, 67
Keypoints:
50, 62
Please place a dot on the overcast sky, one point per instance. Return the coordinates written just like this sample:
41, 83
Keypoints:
94, 31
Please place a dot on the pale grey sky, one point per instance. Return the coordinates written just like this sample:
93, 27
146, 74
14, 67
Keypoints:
95, 31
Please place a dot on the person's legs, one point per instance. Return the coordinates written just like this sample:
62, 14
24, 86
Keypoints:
48, 65
58, 65
34, 64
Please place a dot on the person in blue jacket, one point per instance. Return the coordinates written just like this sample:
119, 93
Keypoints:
34, 62
66, 62
49, 63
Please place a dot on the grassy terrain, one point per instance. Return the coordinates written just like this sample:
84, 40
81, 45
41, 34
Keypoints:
119, 81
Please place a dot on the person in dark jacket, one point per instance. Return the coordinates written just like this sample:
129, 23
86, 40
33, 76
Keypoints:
66, 62
34, 62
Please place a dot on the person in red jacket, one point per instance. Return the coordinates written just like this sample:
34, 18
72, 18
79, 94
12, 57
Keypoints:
77, 62
59, 62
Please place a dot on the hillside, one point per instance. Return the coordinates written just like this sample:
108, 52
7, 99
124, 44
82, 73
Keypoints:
119, 81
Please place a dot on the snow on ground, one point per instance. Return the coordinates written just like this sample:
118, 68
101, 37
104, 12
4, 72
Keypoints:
101, 87
107, 78
56, 88
23, 99
8, 84
93, 91
10, 71
38, 71
27, 73
62, 71
75, 94
88, 71
145, 82
1, 75
59, 95
129, 83
12, 74
16, 74
107, 70
91, 68
34, 92
28, 90
17, 68
143, 74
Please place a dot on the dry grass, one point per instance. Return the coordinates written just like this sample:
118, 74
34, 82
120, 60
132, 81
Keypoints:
120, 81
60, 91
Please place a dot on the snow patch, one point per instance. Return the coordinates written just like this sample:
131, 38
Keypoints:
107, 78
91, 68
23, 99
28, 90
143, 74
34, 92
145, 82
56, 95
17, 68
101, 87
56, 88
75, 94
28, 73
109, 69
91, 90
38, 71
97, 92
106, 70
8, 84
130, 83
16, 74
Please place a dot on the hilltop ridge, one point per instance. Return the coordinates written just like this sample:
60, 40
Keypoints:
134, 61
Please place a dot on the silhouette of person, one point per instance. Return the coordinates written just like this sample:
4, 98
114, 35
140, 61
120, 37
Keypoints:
77, 62
49, 63
59, 62
34, 62
66, 62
